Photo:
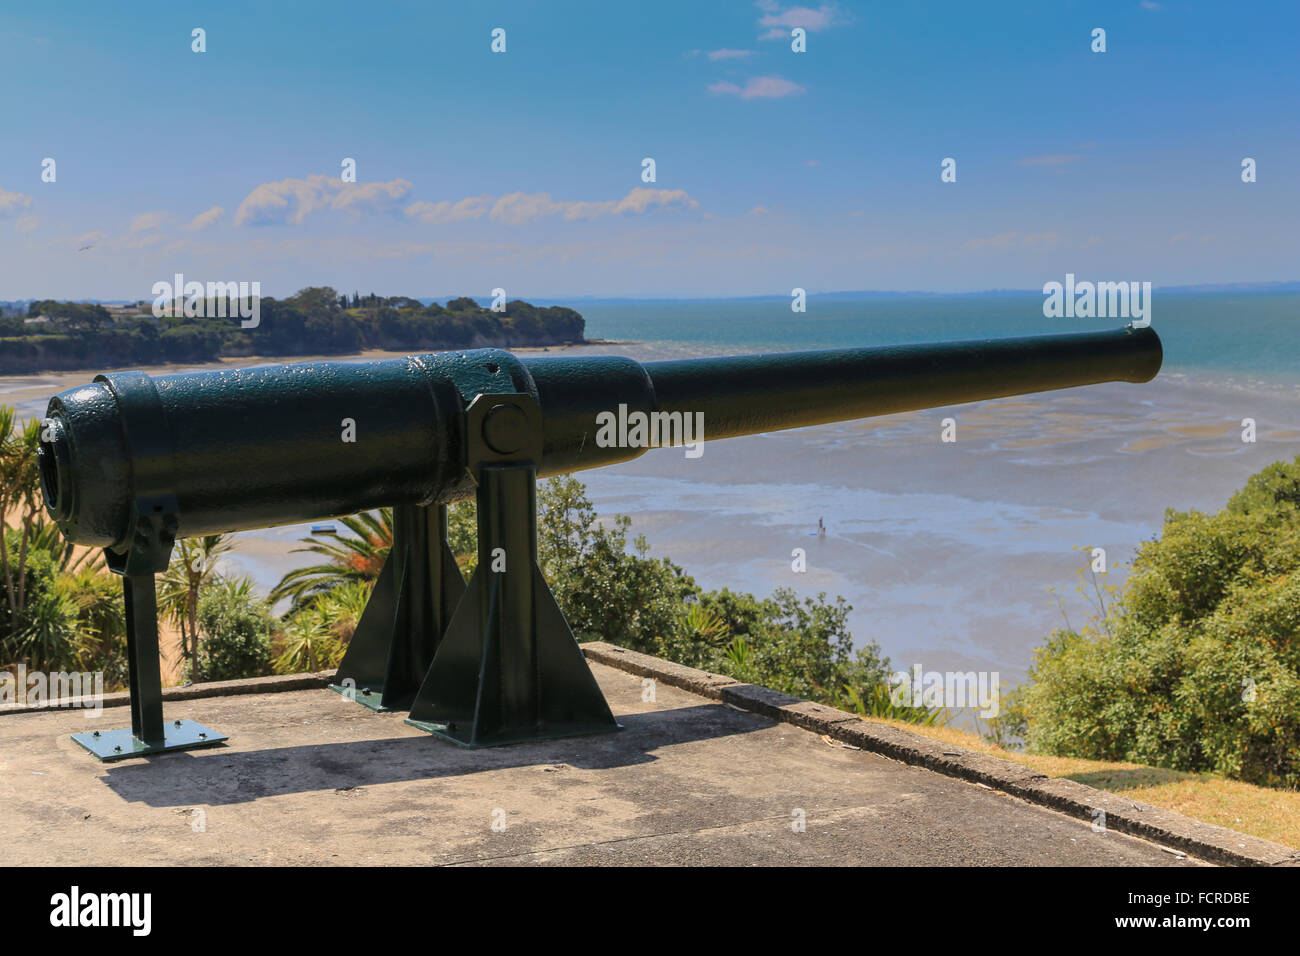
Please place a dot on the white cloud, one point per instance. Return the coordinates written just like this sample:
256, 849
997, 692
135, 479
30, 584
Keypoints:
519, 208
204, 219
778, 22
725, 54
293, 200
758, 87
10, 203
148, 220
446, 211
26, 223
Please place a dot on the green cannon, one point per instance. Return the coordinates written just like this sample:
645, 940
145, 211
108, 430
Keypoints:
131, 462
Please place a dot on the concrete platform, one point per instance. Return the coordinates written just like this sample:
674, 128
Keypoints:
310, 778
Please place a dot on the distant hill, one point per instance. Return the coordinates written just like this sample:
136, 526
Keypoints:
50, 335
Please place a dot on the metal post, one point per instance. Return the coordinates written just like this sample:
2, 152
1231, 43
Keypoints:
141, 602
150, 552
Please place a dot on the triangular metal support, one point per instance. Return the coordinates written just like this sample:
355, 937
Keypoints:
406, 615
508, 668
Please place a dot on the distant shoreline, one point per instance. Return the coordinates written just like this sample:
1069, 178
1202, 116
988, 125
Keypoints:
240, 361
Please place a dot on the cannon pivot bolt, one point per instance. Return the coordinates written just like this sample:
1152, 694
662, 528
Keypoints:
505, 429
178, 723
203, 736
95, 734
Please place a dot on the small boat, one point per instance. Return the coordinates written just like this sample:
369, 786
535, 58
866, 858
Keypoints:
324, 529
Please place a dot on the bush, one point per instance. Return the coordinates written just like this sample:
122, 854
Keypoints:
1198, 667
605, 592
47, 634
236, 628
309, 642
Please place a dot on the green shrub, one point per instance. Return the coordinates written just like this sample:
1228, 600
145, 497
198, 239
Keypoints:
46, 634
1198, 668
236, 628
309, 644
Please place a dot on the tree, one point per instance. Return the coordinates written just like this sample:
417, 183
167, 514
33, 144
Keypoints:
192, 565
359, 555
19, 481
316, 300
603, 589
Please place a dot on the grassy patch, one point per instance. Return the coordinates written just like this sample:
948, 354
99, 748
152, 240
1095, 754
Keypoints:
1260, 811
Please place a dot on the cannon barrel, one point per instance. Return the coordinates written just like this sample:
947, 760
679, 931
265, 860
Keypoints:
132, 463
262, 446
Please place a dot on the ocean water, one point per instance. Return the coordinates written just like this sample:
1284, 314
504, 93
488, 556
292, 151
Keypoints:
1248, 338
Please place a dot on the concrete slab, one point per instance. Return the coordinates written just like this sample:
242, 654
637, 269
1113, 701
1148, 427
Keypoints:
310, 778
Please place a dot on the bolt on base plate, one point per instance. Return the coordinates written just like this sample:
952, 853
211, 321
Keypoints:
120, 744
365, 696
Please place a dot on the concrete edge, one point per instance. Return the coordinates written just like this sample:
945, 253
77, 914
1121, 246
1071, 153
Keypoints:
226, 688
1174, 830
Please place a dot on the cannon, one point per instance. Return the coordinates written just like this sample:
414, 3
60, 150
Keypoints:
130, 463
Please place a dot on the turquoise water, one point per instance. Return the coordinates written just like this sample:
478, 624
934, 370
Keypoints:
1234, 335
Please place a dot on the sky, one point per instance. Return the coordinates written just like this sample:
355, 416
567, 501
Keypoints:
523, 169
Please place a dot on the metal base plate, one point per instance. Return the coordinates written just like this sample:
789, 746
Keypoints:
120, 744
458, 735
366, 697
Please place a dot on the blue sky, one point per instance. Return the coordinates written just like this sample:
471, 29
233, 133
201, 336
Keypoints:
522, 169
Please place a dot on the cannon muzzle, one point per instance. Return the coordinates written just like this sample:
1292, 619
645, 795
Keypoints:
255, 447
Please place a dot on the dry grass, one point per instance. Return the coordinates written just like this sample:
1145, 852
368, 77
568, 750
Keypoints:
1260, 811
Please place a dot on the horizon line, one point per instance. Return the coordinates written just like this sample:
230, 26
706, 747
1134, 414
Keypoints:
1284, 285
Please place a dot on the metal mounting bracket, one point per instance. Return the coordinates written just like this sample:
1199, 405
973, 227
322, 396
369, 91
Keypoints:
508, 668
